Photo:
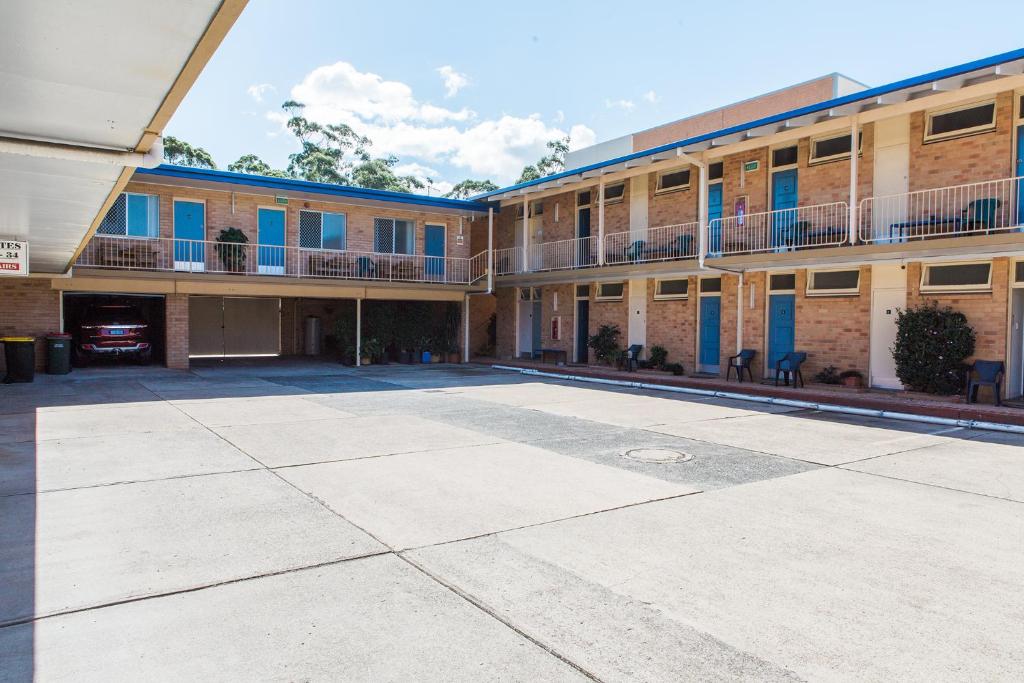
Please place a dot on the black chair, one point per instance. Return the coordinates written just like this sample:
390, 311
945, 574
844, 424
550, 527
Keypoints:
739, 363
985, 373
790, 365
630, 358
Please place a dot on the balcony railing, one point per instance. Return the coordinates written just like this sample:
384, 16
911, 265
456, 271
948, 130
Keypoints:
195, 256
663, 243
985, 207
805, 227
509, 261
580, 252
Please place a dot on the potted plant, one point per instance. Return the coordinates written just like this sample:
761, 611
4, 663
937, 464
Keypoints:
453, 353
424, 346
675, 368
606, 343
659, 354
231, 255
372, 350
852, 378
829, 375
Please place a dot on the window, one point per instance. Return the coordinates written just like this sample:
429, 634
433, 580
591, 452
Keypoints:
956, 277
582, 291
784, 156
610, 291
833, 282
964, 120
711, 285
1018, 273
583, 198
782, 282
834, 147
391, 236
716, 171
674, 180
672, 289
614, 193
132, 215
529, 293
322, 230
537, 208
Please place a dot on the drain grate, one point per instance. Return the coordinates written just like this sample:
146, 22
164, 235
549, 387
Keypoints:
657, 455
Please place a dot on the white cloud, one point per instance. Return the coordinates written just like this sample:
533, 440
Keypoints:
426, 175
453, 80
581, 136
625, 105
559, 116
258, 90
388, 113
651, 97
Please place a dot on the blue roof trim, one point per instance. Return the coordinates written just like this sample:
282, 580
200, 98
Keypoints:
950, 72
285, 184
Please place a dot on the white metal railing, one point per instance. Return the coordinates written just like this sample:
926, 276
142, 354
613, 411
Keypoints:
983, 207
662, 243
509, 261
580, 252
205, 256
804, 227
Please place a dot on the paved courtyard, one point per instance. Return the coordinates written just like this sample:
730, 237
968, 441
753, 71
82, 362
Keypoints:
303, 521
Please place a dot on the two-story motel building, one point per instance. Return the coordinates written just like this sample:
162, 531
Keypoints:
798, 220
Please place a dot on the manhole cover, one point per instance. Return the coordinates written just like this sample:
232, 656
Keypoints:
657, 455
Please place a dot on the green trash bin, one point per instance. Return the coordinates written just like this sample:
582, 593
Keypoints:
20, 354
58, 353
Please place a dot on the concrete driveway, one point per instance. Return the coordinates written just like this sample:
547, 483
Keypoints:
301, 521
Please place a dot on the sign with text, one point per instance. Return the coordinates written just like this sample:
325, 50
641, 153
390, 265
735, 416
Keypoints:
13, 257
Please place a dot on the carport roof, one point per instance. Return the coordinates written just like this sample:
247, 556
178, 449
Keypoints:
293, 187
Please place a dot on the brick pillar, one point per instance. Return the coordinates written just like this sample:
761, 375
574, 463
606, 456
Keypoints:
176, 313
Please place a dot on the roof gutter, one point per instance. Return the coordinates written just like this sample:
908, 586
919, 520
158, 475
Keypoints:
63, 151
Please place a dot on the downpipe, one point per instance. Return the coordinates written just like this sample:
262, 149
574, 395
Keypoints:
769, 400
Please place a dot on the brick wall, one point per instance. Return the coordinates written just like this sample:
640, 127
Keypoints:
986, 311
754, 319
672, 323
29, 308
566, 311
833, 330
610, 313
506, 299
176, 325
986, 156
677, 206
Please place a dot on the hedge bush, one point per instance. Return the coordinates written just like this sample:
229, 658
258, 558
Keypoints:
931, 346
606, 343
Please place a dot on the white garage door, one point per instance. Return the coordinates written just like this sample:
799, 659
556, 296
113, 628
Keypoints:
234, 326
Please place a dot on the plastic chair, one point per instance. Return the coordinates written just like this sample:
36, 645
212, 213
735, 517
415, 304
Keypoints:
635, 251
981, 213
986, 373
365, 267
684, 246
790, 365
631, 357
739, 363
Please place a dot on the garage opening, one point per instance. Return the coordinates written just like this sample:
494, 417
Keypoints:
230, 327
115, 328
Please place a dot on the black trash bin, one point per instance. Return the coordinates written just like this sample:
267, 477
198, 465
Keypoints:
20, 354
58, 354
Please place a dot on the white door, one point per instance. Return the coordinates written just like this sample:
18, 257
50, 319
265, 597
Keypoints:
884, 304
637, 331
891, 171
525, 339
1015, 384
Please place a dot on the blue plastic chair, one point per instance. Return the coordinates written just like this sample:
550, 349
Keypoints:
986, 373
790, 365
739, 363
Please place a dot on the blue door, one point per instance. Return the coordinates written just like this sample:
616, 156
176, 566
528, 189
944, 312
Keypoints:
582, 331
1020, 174
710, 331
714, 213
433, 250
189, 233
784, 196
781, 326
271, 240
583, 257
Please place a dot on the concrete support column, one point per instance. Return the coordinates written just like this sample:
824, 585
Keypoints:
853, 180
702, 213
739, 314
176, 329
600, 222
465, 329
527, 265
359, 332
490, 249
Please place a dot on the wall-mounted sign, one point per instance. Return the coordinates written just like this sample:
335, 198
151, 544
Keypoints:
740, 209
280, 200
13, 257
751, 166
556, 328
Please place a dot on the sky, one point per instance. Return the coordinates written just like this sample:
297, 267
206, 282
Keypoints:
462, 90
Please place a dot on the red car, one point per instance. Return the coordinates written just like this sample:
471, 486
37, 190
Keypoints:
113, 331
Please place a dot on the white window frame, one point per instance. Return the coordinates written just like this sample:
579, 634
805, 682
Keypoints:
658, 189
812, 160
700, 288
784, 167
670, 297
617, 200
848, 291
590, 195
926, 288
322, 213
532, 293
155, 229
599, 297
929, 115
791, 290
712, 181
394, 227
534, 206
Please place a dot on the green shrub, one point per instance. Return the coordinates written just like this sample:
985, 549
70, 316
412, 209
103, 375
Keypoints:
606, 343
230, 254
675, 368
830, 375
658, 356
931, 346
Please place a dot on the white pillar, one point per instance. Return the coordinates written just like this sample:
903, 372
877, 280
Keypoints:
359, 331
526, 235
490, 249
739, 314
702, 212
465, 329
600, 222
853, 181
